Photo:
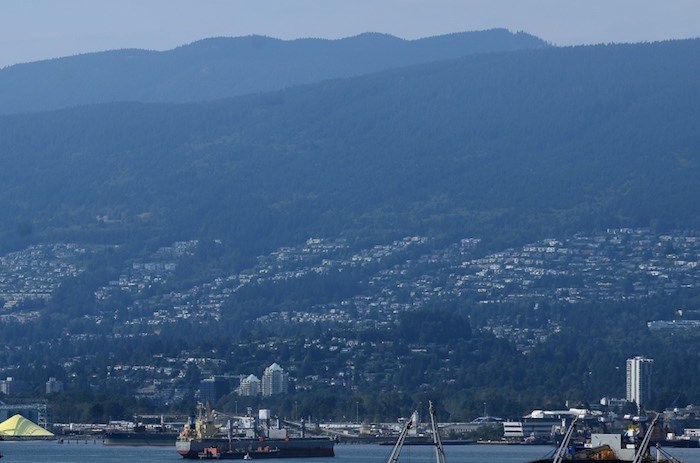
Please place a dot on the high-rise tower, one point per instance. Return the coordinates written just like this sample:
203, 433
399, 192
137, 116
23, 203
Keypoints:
274, 380
639, 381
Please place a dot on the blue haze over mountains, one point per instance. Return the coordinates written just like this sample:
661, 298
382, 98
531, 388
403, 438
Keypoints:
391, 152
511, 145
224, 67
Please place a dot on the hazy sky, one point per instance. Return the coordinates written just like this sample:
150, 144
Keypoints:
31, 30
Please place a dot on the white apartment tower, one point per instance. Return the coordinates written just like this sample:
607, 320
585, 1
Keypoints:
274, 380
639, 381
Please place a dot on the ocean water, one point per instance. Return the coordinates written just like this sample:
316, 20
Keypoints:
94, 451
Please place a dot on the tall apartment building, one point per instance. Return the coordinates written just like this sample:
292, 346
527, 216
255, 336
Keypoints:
250, 386
274, 380
11, 386
639, 381
53, 386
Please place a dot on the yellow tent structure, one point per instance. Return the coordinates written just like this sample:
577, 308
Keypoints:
19, 426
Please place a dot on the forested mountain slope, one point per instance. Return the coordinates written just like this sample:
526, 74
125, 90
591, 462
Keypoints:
224, 67
507, 146
497, 148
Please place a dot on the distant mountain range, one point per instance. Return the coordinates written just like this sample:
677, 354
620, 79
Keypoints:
508, 146
225, 67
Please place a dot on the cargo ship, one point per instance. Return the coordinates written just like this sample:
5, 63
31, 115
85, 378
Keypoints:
247, 439
140, 435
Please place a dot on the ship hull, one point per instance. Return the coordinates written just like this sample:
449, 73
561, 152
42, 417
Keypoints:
237, 449
141, 439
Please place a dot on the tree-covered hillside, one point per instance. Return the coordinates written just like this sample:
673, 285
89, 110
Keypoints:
223, 67
508, 146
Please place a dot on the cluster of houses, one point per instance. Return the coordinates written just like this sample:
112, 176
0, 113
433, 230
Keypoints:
407, 274
32, 275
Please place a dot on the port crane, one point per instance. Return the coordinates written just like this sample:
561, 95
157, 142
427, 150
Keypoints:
437, 442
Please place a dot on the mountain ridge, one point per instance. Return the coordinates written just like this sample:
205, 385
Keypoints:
222, 67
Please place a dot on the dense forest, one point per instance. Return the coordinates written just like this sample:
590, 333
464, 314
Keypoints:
505, 146
511, 146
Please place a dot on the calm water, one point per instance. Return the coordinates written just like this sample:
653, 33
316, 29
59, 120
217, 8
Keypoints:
96, 452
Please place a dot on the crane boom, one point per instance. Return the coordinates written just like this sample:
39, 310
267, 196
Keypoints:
396, 451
